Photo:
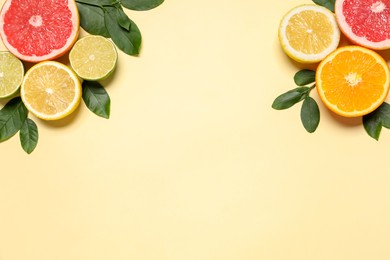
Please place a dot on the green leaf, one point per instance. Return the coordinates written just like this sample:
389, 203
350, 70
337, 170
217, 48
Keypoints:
373, 125
374, 121
96, 98
290, 98
92, 19
127, 41
12, 117
28, 135
122, 18
310, 114
326, 3
141, 5
384, 114
304, 77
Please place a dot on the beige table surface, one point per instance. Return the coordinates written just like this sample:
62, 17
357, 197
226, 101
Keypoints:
194, 164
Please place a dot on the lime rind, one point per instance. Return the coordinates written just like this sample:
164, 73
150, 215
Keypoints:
11, 74
93, 58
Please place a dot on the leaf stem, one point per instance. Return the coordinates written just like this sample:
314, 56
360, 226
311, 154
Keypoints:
97, 5
113, 4
87, 3
309, 89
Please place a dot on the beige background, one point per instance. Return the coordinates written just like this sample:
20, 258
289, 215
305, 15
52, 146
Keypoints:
194, 164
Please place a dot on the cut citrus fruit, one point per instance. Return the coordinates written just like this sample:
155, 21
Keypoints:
38, 30
353, 81
365, 22
93, 57
50, 90
308, 33
11, 74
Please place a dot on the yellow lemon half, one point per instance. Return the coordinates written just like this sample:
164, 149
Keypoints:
51, 90
308, 33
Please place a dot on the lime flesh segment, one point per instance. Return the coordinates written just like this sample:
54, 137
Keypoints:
11, 74
93, 57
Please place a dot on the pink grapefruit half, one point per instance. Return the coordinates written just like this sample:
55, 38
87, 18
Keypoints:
365, 22
38, 30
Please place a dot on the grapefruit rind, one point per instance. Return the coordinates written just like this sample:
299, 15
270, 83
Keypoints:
56, 53
335, 107
300, 56
351, 36
71, 106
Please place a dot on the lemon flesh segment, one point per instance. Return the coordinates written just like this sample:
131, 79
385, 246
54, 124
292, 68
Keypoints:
308, 33
11, 74
93, 57
50, 90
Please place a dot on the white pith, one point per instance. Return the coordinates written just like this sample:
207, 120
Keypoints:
378, 7
353, 79
36, 20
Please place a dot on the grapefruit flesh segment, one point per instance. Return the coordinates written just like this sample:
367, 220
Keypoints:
37, 30
365, 22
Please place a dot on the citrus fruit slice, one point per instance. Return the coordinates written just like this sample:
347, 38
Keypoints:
93, 57
38, 30
50, 90
11, 74
308, 33
365, 22
353, 81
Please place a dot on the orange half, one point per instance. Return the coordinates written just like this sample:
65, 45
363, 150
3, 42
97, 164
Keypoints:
353, 81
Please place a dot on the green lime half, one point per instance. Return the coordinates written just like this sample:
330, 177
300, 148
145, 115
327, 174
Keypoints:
93, 57
11, 74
